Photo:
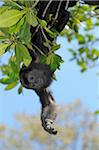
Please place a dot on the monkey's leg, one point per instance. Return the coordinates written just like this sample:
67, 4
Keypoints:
49, 110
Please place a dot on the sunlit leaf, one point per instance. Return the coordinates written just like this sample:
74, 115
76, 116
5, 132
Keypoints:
3, 47
43, 23
10, 17
11, 86
80, 39
89, 23
4, 8
31, 18
15, 28
6, 80
22, 54
55, 47
95, 52
54, 61
25, 34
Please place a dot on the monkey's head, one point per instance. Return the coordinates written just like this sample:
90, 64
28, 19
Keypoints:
37, 76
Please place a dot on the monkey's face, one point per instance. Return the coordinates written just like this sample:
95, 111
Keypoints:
37, 76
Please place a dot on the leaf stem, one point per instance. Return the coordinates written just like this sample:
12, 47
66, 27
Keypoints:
22, 7
38, 50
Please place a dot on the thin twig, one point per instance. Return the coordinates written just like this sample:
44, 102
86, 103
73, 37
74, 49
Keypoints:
36, 2
57, 13
45, 10
45, 37
36, 30
38, 49
66, 7
16, 4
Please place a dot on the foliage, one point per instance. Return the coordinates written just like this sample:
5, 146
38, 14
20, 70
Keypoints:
81, 29
77, 126
15, 38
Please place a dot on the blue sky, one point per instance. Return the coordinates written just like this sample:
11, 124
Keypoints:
70, 85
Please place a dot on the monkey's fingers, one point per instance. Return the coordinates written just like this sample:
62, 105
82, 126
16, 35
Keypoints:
47, 125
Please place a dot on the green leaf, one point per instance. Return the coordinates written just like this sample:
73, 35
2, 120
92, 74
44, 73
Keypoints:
3, 9
55, 47
54, 77
47, 43
54, 61
10, 17
6, 80
5, 69
43, 23
15, 28
89, 23
23, 54
82, 64
10, 78
11, 86
25, 34
31, 18
20, 90
5, 32
75, 28
14, 67
1, 34
80, 39
90, 37
43, 59
3, 47
81, 50
18, 55
50, 32
95, 52
27, 61
64, 32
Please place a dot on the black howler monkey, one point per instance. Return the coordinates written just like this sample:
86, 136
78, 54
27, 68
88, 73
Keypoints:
38, 76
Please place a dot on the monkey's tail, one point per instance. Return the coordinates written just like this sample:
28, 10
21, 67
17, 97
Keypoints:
49, 110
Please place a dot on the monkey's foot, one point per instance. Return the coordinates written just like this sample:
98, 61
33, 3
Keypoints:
47, 117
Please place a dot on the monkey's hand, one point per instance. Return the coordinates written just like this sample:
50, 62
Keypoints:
48, 116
